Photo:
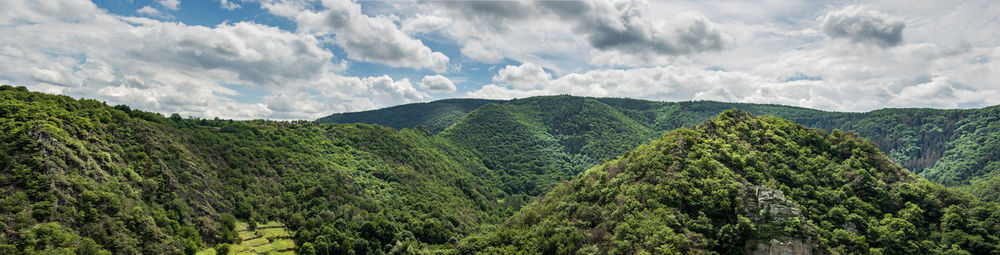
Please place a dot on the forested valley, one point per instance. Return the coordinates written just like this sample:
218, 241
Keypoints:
541, 175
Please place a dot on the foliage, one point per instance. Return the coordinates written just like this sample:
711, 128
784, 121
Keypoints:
80, 176
699, 191
137, 182
435, 116
588, 131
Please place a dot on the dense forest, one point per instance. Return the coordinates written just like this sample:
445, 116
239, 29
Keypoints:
738, 184
80, 176
952, 147
455, 176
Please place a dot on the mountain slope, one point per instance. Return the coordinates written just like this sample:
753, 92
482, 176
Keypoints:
741, 184
915, 138
536, 143
82, 176
435, 116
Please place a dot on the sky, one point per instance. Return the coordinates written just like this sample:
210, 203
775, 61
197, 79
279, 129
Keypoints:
284, 59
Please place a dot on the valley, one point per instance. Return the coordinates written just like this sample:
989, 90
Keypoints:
547, 175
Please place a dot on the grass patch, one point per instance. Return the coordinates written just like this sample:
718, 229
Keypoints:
273, 236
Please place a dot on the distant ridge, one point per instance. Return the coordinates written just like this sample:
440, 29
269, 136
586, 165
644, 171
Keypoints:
926, 141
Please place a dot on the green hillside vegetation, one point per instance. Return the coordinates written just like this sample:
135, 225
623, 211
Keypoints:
535, 143
972, 161
269, 238
592, 130
738, 184
82, 176
434, 116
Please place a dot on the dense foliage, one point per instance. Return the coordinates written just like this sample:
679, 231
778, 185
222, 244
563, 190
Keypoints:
538, 142
918, 139
82, 176
434, 116
736, 182
79, 176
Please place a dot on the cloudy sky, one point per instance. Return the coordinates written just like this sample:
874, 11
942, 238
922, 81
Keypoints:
283, 59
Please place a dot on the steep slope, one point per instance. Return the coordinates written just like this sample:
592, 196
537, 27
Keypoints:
914, 138
82, 176
512, 144
742, 184
535, 143
435, 116
973, 159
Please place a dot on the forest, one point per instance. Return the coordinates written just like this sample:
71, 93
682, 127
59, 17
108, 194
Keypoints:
541, 175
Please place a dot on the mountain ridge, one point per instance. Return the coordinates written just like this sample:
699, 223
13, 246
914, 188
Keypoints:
739, 184
916, 138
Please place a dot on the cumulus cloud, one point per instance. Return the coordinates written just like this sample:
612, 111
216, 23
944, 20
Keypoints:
437, 83
175, 68
621, 27
170, 4
492, 91
941, 92
422, 24
365, 38
833, 87
863, 26
525, 76
229, 5
149, 11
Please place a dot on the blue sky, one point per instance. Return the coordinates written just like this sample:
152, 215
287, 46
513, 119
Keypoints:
211, 13
304, 59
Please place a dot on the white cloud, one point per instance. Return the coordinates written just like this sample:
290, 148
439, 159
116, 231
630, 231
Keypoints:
826, 91
437, 83
525, 76
365, 38
790, 52
149, 11
170, 4
863, 26
192, 70
492, 31
941, 92
229, 5
423, 24
492, 91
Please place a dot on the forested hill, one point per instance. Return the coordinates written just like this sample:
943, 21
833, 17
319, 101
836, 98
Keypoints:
740, 184
81, 176
574, 131
435, 116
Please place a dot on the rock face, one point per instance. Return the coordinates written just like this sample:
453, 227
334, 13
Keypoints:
784, 246
770, 207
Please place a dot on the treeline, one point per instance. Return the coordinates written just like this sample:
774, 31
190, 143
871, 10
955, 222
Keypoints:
81, 176
589, 131
740, 184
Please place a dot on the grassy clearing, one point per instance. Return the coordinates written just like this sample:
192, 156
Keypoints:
268, 238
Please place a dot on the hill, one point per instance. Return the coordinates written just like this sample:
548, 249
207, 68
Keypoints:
917, 139
741, 184
81, 176
435, 116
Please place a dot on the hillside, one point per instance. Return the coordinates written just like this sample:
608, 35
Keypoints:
82, 176
742, 184
533, 145
435, 116
917, 139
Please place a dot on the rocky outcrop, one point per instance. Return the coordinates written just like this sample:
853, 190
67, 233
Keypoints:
770, 206
783, 246
766, 206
